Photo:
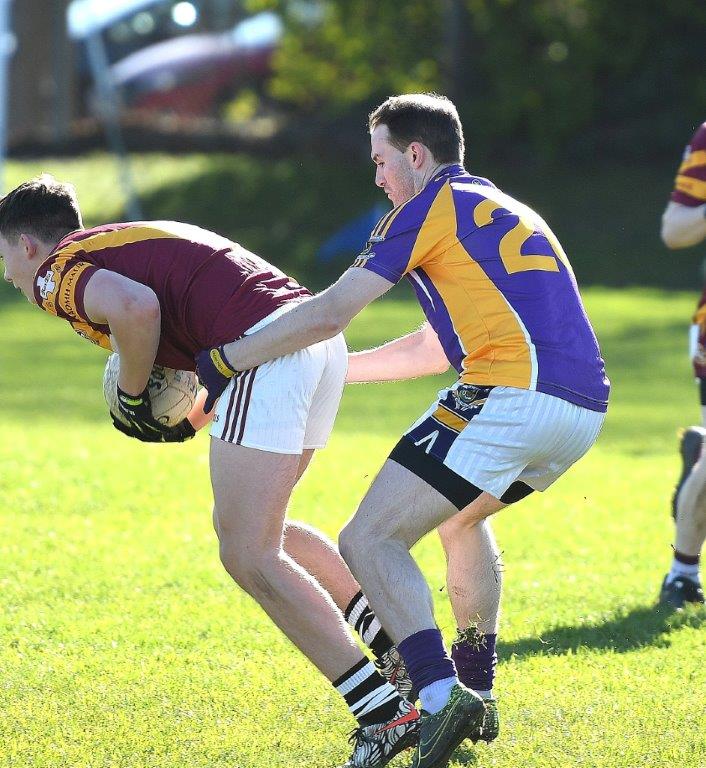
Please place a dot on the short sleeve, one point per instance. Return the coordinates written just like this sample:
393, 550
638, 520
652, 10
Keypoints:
60, 283
409, 235
690, 183
388, 250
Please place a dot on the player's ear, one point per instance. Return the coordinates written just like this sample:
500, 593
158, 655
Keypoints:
416, 151
29, 244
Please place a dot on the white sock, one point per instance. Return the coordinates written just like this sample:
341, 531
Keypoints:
683, 569
436, 696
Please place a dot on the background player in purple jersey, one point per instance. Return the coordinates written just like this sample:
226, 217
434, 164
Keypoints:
684, 225
503, 307
159, 292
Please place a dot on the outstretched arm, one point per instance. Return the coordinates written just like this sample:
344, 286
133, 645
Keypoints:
318, 318
682, 225
418, 354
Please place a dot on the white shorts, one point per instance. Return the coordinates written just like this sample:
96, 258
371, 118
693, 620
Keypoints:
502, 440
288, 404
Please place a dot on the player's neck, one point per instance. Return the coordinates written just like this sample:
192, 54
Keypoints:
428, 173
38, 258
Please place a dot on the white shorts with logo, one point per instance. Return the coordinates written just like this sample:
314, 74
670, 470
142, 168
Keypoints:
494, 437
288, 404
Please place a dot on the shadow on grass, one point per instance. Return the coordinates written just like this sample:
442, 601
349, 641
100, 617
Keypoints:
639, 628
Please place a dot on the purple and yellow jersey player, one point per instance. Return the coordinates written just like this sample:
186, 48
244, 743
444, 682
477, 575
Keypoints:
503, 308
684, 225
495, 285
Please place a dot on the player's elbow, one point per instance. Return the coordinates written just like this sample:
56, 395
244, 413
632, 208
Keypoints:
683, 227
674, 237
330, 326
332, 319
323, 325
151, 313
140, 304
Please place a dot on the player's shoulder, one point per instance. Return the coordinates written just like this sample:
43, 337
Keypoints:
56, 282
80, 235
191, 235
413, 213
470, 181
469, 191
401, 218
84, 241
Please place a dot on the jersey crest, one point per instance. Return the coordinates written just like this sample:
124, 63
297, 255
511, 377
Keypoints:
46, 284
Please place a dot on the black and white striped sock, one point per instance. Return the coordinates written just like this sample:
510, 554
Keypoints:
360, 616
370, 698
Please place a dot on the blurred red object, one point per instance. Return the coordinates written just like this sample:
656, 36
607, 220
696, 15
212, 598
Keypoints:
192, 75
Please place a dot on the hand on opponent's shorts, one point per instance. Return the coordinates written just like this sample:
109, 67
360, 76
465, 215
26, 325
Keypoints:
135, 420
214, 372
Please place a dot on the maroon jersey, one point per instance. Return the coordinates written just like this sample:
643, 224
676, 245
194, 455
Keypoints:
210, 289
690, 190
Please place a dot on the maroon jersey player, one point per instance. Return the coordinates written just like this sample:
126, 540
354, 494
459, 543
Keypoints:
160, 292
684, 225
207, 286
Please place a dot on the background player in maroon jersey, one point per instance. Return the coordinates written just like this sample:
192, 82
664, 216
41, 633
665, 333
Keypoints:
160, 292
684, 225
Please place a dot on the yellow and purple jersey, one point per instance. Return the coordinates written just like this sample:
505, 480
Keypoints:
495, 285
210, 289
690, 183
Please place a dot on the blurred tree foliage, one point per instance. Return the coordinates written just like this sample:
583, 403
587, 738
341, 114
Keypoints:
548, 76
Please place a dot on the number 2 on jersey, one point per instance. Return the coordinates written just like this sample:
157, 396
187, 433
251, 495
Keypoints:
511, 242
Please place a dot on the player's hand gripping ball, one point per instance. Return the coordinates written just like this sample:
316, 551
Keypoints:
135, 419
156, 415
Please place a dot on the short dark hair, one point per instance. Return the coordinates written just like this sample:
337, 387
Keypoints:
43, 207
425, 117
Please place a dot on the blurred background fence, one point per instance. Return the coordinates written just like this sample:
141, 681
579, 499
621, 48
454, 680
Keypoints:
580, 107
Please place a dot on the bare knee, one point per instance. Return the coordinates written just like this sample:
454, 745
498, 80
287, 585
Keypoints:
355, 544
456, 526
361, 541
348, 545
471, 518
236, 563
250, 569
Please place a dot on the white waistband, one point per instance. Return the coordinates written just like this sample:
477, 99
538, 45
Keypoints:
272, 316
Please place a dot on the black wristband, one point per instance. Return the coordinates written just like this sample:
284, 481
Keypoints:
134, 400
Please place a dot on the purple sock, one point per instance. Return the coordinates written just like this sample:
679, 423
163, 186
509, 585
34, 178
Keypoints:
475, 660
426, 658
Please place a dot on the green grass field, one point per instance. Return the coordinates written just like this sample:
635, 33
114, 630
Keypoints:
123, 643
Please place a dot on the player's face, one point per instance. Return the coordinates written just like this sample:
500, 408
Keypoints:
393, 171
16, 267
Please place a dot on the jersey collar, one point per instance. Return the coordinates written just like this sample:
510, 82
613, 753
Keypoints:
448, 170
